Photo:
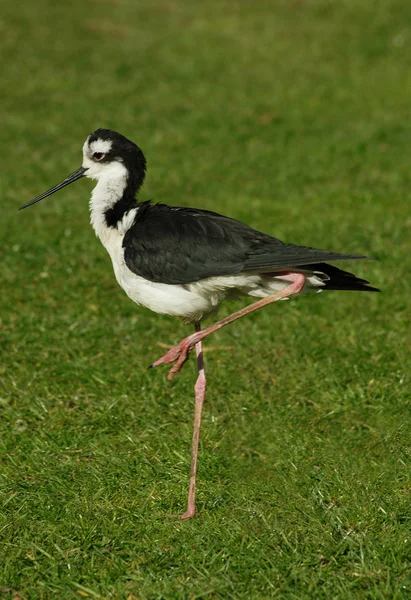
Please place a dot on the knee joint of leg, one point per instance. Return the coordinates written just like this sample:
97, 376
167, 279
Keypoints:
200, 384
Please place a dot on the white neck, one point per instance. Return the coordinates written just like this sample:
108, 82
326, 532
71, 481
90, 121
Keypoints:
109, 189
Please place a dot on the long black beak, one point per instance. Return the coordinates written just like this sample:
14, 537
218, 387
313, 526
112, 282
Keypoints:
73, 177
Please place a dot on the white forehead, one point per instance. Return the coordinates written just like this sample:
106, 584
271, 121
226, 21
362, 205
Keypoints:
97, 146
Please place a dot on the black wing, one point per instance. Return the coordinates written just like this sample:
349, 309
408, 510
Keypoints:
175, 245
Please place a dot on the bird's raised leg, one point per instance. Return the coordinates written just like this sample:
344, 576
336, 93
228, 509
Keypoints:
200, 391
180, 353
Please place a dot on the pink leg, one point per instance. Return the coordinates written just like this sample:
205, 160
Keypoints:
180, 353
200, 391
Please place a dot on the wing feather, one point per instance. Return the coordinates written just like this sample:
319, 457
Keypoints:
181, 245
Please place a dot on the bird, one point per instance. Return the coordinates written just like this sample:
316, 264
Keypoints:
183, 262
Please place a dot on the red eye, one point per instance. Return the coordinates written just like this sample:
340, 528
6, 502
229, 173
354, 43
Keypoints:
98, 155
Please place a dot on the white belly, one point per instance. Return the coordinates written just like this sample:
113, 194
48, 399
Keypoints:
173, 300
194, 301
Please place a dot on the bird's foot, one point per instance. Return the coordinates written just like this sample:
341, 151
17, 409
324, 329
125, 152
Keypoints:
177, 354
189, 514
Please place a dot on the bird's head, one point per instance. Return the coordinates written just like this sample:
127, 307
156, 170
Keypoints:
107, 155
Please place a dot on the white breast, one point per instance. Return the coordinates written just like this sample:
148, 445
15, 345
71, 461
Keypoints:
174, 300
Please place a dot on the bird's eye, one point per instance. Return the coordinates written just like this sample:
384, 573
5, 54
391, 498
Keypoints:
98, 155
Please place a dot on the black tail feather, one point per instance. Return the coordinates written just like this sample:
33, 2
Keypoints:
341, 280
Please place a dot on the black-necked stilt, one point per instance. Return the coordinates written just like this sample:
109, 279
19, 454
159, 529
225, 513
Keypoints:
184, 262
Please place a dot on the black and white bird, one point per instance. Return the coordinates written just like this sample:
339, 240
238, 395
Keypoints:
184, 262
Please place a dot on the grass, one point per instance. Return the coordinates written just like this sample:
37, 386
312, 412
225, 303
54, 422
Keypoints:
295, 117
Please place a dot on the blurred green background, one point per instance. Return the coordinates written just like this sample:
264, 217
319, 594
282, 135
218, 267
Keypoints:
294, 116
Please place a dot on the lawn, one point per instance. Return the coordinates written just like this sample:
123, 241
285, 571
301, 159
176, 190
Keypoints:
294, 116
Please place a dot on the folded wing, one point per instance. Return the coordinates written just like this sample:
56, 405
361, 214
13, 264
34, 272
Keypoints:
181, 245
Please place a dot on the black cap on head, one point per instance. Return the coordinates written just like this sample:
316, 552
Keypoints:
124, 149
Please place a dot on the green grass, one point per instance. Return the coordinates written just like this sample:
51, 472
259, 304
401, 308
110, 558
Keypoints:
295, 117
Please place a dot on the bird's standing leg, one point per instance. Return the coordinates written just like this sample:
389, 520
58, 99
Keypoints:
180, 353
200, 391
